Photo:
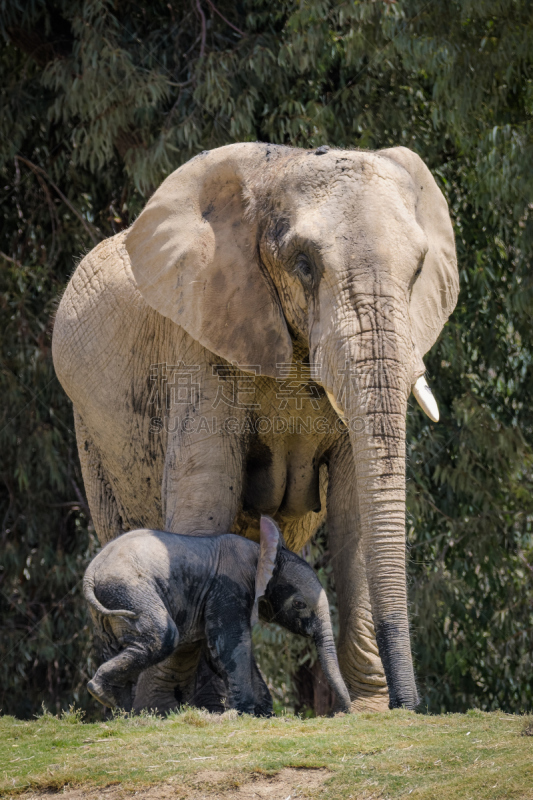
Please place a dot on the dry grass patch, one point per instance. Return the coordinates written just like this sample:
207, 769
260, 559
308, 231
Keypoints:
296, 783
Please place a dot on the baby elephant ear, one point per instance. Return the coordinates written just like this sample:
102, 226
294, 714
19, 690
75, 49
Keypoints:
270, 542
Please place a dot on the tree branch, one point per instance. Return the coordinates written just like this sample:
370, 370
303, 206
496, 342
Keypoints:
215, 9
40, 171
12, 260
81, 500
204, 27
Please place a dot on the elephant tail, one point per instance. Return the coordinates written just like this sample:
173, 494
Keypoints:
88, 591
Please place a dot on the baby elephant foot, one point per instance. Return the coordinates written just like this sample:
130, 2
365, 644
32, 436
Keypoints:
111, 696
260, 711
243, 707
263, 708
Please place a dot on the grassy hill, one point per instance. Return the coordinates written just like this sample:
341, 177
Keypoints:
193, 755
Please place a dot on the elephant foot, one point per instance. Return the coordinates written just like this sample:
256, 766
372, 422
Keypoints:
371, 703
263, 709
361, 665
368, 694
110, 696
209, 690
371, 697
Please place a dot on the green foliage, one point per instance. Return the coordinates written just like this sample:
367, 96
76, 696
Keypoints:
100, 100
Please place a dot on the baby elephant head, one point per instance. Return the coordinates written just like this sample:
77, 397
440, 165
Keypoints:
288, 592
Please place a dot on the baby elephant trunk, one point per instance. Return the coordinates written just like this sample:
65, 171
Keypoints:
327, 654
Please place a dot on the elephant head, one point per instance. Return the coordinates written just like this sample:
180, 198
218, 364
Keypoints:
252, 247
288, 592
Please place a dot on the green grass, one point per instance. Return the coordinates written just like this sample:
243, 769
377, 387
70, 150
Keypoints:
392, 754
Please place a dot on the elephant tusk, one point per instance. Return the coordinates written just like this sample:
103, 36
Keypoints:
426, 399
341, 415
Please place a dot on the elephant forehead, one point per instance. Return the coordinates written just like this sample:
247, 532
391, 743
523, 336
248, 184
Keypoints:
357, 222
299, 576
341, 194
342, 171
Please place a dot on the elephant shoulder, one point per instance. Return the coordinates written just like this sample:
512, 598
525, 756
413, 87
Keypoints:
238, 554
104, 272
101, 309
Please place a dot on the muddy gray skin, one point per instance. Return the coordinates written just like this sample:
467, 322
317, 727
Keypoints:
158, 596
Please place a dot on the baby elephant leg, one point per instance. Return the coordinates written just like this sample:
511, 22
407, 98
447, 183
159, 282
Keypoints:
263, 698
229, 643
145, 641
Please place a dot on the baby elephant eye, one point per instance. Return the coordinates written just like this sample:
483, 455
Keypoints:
298, 604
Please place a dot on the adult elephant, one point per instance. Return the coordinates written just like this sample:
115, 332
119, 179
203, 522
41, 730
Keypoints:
251, 270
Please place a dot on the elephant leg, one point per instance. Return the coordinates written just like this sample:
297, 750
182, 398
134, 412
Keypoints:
357, 648
201, 492
105, 515
209, 688
112, 684
211, 693
171, 683
203, 476
263, 698
154, 639
229, 643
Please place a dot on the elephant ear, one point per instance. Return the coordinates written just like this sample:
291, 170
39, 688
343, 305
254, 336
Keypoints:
435, 291
270, 543
194, 256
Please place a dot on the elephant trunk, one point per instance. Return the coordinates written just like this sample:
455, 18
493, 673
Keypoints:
378, 365
380, 472
327, 654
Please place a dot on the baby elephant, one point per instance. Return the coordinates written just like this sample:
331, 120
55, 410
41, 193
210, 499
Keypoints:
156, 596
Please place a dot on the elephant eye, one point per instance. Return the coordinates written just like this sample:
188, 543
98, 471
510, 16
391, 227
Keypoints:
298, 604
417, 273
303, 268
419, 268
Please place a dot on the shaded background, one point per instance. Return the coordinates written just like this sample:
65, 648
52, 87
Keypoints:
101, 99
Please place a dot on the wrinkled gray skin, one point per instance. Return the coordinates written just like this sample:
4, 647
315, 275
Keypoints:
262, 255
160, 597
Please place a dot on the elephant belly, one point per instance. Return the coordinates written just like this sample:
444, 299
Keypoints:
283, 480
282, 477
302, 491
